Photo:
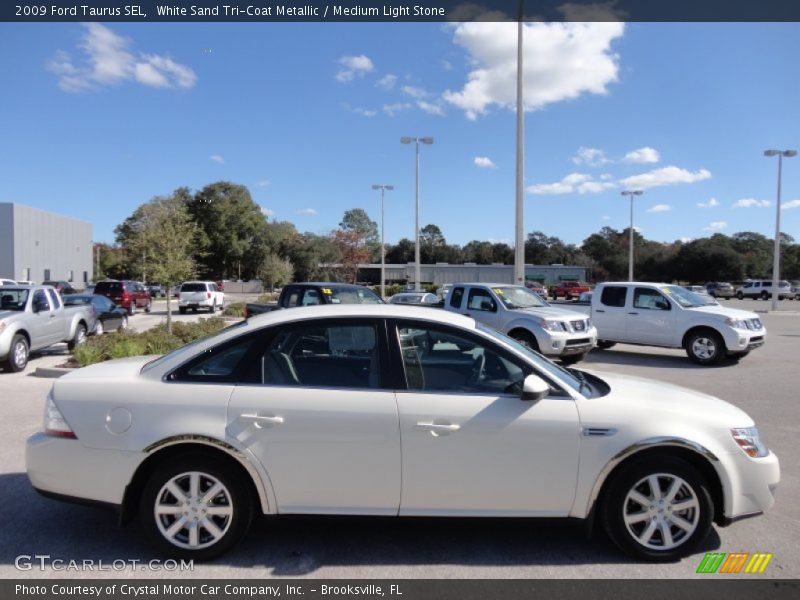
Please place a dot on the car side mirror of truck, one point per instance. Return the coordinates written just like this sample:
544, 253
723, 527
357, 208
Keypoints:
39, 306
534, 388
488, 305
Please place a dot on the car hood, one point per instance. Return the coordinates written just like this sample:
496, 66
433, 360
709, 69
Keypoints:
724, 311
6, 314
550, 312
656, 399
122, 368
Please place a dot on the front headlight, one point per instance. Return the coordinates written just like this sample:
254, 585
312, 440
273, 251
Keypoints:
553, 325
749, 441
736, 323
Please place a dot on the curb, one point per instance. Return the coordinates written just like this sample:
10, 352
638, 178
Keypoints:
51, 372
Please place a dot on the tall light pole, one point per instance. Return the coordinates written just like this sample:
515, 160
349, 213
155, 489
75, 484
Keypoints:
417, 141
776, 253
519, 247
383, 188
631, 194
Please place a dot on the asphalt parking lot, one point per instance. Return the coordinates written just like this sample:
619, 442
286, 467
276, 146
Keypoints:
765, 384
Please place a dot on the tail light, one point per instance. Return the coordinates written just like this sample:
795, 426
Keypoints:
125, 297
54, 423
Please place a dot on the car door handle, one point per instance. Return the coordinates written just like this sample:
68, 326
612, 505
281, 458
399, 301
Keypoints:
262, 420
600, 310
633, 313
438, 429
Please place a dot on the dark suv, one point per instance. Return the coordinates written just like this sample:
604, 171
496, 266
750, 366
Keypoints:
130, 295
62, 287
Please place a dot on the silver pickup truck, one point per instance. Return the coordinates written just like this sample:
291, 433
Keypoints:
34, 317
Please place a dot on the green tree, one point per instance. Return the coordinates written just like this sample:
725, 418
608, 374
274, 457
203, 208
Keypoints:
164, 232
275, 271
400, 253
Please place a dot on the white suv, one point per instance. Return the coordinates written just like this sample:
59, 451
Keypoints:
200, 294
762, 288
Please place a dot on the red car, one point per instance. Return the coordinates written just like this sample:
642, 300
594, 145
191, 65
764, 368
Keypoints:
130, 295
569, 289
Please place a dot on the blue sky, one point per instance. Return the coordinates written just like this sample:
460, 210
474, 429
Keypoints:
98, 119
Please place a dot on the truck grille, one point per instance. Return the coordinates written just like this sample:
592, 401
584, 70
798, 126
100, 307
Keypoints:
754, 324
580, 326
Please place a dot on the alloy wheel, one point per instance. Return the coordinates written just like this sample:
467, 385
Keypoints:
704, 348
20, 354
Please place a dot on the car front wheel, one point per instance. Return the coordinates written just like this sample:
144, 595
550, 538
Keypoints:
18, 355
705, 347
526, 338
195, 507
658, 509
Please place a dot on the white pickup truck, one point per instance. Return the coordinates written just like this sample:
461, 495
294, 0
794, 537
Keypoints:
526, 317
34, 317
670, 316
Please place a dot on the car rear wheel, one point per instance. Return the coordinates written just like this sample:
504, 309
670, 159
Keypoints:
195, 507
132, 308
98, 328
182, 310
705, 347
149, 306
764, 295
658, 509
79, 337
17, 358
123, 324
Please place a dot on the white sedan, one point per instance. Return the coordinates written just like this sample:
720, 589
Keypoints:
392, 410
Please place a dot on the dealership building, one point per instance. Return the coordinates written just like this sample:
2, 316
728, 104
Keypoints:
36, 245
441, 273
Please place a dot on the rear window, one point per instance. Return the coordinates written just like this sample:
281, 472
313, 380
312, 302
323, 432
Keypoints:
76, 300
193, 287
352, 296
614, 295
455, 297
108, 287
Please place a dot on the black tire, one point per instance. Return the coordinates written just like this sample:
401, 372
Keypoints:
526, 338
123, 324
235, 497
149, 306
573, 359
132, 308
79, 337
764, 295
740, 295
182, 310
634, 479
567, 297
605, 344
18, 354
705, 347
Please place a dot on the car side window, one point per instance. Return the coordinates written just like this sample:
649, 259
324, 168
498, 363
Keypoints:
438, 360
55, 301
481, 300
330, 355
40, 300
215, 365
456, 297
293, 298
614, 295
311, 298
649, 299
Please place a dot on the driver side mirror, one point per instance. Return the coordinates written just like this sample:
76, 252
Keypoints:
488, 305
40, 306
534, 388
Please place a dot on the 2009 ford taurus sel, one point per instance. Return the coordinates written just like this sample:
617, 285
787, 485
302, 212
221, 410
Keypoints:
391, 410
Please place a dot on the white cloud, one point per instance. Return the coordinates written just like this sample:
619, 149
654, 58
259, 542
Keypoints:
430, 108
790, 205
606, 218
393, 109
386, 82
686, 240
217, 158
108, 60
716, 226
267, 212
665, 176
712, 202
562, 61
751, 203
446, 64
658, 208
592, 157
264, 183
414, 92
484, 162
642, 156
353, 66
574, 182
307, 211
364, 112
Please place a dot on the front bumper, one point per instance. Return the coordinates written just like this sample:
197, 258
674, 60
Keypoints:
555, 343
65, 467
754, 483
744, 340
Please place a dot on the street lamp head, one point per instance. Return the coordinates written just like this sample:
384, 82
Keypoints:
427, 140
389, 187
790, 153
376, 186
406, 140
771, 152
632, 193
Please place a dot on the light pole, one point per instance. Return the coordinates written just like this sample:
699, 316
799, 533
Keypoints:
631, 193
519, 248
417, 141
776, 253
383, 188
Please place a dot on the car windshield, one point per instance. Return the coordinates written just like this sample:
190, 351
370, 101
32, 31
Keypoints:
353, 296
13, 299
188, 348
518, 297
540, 362
684, 297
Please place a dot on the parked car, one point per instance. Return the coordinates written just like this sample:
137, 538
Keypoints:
441, 292
414, 298
719, 289
313, 293
33, 318
20, 282
762, 288
156, 290
521, 314
195, 295
396, 411
537, 288
795, 289
657, 314
8, 282
62, 287
130, 295
569, 290
701, 293
107, 316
